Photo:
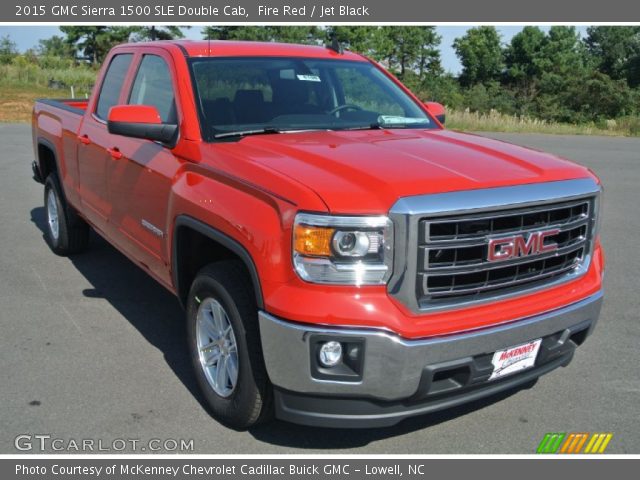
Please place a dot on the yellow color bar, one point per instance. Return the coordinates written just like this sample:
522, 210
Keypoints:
606, 441
591, 442
598, 442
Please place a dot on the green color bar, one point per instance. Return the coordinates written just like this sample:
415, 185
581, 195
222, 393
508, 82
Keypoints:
543, 443
551, 442
556, 445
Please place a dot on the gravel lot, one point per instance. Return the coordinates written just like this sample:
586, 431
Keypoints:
92, 348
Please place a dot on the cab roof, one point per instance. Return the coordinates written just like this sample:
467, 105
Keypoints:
235, 48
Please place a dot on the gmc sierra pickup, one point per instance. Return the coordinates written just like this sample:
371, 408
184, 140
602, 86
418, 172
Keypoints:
343, 259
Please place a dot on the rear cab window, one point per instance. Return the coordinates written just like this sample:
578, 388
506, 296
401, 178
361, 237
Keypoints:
153, 86
112, 84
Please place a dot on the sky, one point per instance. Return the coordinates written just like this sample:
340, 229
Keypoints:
27, 37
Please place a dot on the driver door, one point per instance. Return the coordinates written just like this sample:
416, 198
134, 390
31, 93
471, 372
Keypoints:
141, 179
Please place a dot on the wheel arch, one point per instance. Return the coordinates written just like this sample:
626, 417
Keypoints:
47, 157
183, 271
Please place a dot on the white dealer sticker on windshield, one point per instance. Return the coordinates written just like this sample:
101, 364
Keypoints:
309, 78
514, 359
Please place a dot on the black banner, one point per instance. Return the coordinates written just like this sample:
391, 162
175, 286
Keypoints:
316, 469
317, 11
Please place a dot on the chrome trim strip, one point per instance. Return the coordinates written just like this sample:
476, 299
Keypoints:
380, 221
408, 213
478, 240
470, 201
495, 286
518, 211
485, 265
152, 228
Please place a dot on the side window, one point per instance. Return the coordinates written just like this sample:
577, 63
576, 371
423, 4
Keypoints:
112, 84
153, 86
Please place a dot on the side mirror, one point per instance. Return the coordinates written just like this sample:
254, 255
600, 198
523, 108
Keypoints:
437, 110
140, 121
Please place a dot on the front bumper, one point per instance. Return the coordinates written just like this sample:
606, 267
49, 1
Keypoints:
400, 377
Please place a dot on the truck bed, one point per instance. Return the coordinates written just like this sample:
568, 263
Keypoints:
73, 105
55, 124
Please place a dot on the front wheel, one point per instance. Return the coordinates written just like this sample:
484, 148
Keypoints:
224, 343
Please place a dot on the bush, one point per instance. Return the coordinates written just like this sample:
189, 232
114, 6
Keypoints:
53, 72
486, 98
600, 97
630, 124
443, 89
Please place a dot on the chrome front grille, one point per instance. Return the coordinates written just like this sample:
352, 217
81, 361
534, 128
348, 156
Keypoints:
453, 252
442, 256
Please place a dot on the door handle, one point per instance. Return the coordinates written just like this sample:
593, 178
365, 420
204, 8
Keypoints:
115, 153
84, 139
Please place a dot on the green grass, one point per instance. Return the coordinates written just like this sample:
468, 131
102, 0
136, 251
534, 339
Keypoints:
497, 122
16, 102
22, 82
21, 72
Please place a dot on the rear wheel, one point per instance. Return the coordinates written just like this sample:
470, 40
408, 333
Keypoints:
224, 342
66, 232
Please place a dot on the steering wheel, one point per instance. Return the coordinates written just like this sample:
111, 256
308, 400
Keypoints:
346, 106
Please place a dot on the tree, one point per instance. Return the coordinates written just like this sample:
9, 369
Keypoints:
599, 97
560, 65
54, 47
8, 49
287, 34
166, 32
563, 52
444, 89
481, 55
616, 51
522, 56
94, 42
355, 38
407, 48
523, 67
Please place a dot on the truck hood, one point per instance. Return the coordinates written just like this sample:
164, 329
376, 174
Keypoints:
367, 171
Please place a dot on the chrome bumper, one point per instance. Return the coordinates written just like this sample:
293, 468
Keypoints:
394, 367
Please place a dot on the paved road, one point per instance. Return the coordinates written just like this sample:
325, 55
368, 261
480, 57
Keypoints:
90, 347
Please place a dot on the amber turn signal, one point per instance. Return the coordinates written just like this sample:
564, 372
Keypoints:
313, 241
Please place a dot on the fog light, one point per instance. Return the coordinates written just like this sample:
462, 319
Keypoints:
330, 354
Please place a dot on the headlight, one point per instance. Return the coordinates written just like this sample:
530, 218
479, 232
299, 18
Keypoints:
343, 250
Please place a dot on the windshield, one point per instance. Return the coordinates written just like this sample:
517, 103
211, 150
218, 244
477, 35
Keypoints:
246, 96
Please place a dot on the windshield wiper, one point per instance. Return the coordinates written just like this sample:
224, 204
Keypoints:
371, 126
244, 133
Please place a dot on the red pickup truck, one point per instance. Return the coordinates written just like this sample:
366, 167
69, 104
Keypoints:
343, 259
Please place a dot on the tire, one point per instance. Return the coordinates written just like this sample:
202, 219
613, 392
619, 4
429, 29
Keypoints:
225, 287
65, 232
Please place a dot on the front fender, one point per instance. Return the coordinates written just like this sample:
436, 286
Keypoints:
253, 223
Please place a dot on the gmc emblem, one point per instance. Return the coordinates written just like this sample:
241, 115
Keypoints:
507, 248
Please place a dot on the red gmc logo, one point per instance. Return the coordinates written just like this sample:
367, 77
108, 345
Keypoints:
516, 246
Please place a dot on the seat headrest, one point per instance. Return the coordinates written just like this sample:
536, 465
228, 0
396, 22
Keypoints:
249, 97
